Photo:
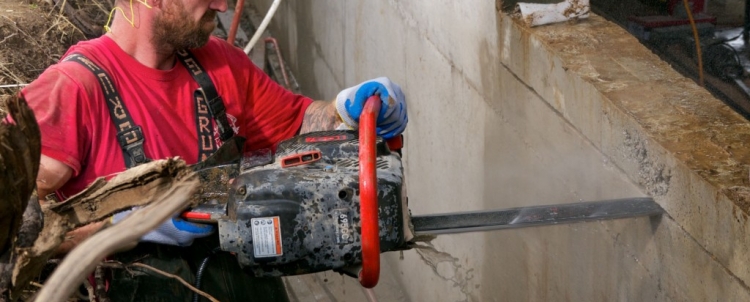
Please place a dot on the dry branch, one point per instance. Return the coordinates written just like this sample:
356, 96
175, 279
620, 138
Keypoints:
20, 150
135, 187
84, 258
188, 285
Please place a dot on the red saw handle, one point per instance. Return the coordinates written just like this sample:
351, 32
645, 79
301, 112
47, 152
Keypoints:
368, 194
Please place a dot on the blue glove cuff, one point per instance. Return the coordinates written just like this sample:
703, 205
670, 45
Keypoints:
174, 231
195, 228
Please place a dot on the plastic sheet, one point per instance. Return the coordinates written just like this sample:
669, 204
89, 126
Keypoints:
535, 14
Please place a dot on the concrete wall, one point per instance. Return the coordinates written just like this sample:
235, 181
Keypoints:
504, 116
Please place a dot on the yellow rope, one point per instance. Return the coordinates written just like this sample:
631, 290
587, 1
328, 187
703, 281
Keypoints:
697, 42
130, 20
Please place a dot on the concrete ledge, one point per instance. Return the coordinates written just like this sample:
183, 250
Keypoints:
671, 137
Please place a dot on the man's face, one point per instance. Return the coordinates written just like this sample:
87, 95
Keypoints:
176, 27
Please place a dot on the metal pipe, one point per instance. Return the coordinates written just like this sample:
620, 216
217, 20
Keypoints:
235, 21
281, 61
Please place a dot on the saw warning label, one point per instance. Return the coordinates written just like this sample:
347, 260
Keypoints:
266, 237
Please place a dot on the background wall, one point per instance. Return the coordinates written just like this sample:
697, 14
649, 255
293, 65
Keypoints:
727, 11
504, 116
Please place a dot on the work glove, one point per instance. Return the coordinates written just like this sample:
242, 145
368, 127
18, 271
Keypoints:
174, 231
392, 118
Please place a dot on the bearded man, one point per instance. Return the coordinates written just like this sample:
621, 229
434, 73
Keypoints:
133, 95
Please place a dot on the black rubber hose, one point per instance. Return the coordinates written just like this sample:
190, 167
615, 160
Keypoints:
723, 61
199, 273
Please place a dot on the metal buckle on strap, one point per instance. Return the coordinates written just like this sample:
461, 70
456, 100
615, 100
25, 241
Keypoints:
135, 150
131, 141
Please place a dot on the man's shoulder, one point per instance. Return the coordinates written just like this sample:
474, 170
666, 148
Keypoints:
73, 76
89, 48
80, 70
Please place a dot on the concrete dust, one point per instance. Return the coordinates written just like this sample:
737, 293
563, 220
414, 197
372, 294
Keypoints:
740, 195
447, 267
652, 174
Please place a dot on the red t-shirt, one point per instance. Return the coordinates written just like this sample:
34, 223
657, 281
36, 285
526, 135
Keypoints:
78, 131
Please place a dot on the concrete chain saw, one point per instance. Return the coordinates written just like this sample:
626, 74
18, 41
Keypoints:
335, 200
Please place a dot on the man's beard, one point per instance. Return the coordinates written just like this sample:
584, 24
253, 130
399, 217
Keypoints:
174, 29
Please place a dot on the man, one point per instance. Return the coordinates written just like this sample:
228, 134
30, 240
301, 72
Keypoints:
80, 120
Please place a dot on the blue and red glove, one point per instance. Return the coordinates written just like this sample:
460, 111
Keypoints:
174, 231
392, 118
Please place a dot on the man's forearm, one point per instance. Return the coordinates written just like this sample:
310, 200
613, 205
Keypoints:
320, 116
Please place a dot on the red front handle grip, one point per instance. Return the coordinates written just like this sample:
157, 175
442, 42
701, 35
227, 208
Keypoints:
368, 194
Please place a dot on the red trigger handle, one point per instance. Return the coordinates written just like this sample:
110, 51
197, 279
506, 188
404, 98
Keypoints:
368, 198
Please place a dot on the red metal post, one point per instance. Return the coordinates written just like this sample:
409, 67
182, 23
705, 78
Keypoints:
235, 21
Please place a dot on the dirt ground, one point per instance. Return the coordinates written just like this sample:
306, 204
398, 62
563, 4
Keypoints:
34, 34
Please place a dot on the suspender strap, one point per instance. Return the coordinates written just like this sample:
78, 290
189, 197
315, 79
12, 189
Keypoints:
129, 135
207, 90
206, 145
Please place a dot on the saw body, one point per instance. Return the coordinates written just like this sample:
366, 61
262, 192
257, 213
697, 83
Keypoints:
301, 213
300, 210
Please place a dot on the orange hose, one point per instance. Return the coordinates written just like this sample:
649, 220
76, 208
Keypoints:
697, 42
235, 21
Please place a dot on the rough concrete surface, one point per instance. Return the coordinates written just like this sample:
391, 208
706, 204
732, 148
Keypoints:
333, 287
505, 116
672, 138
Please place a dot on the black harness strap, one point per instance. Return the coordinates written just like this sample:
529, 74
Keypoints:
207, 90
206, 145
129, 135
208, 103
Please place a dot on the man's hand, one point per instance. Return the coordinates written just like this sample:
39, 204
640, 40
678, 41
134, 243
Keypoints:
392, 118
174, 231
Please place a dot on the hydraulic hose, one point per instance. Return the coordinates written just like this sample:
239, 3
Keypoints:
259, 31
199, 272
235, 21
697, 41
